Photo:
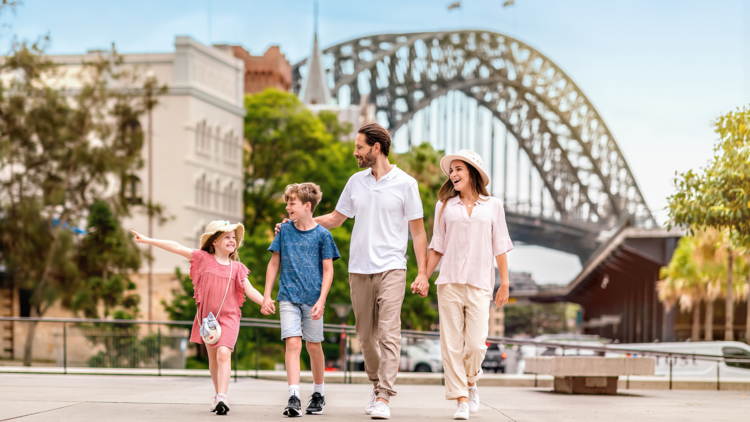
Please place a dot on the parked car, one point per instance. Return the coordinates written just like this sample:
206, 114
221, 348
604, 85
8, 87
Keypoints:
495, 358
688, 367
417, 355
421, 355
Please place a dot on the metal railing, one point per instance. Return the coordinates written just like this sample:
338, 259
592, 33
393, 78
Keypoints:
158, 339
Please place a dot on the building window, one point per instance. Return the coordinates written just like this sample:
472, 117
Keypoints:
201, 192
132, 190
217, 196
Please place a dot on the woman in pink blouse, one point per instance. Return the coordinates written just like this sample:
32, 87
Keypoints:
469, 233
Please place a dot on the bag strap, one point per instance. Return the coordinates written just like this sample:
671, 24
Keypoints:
227, 290
197, 314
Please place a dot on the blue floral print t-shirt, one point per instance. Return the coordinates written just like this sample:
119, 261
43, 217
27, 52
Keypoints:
302, 255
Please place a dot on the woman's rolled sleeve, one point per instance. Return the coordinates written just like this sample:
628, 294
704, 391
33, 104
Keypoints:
501, 242
438, 231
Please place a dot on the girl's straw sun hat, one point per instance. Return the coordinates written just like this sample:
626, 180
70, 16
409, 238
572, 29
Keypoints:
470, 157
223, 226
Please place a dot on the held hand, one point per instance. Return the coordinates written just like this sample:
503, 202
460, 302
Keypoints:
317, 311
139, 238
420, 286
502, 295
268, 306
278, 226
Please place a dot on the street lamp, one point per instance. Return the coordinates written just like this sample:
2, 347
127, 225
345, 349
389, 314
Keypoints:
342, 311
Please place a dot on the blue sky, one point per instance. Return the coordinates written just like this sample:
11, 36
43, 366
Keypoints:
658, 72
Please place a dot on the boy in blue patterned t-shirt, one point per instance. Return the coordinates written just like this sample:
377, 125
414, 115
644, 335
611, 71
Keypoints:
305, 251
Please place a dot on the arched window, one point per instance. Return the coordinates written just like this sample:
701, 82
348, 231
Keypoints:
132, 190
217, 196
198, 136
202, 191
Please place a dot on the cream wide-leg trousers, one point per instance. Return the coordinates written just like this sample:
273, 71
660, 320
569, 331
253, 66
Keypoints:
464, 325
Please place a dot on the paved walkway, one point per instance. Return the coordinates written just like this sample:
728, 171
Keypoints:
32, 397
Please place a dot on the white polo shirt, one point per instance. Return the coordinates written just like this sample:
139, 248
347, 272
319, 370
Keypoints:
381, 210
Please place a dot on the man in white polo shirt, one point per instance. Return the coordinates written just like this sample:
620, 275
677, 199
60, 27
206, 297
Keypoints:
385, 204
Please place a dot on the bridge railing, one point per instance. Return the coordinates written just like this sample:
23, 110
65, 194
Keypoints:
101, 343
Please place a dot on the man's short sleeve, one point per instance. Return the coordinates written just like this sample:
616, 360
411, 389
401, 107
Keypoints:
412, 202
345, 205
276, 244
328, 249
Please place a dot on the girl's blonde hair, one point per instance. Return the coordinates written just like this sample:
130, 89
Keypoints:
448, 191
209, 246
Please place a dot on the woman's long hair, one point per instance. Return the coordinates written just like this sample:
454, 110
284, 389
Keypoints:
447, 191
209, 246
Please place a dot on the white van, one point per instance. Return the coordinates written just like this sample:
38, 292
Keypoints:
694, 368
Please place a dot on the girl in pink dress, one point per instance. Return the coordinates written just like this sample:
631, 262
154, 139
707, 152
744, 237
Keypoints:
217, 278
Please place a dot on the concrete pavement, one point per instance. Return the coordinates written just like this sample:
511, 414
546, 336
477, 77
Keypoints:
36, 397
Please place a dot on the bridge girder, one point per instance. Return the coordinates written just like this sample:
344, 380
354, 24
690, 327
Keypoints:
558, 128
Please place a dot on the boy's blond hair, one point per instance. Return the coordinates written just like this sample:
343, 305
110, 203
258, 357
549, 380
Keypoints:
305, 192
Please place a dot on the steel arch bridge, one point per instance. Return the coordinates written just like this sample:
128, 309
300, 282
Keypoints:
450, 80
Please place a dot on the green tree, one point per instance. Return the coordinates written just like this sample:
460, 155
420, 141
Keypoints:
287, 143
719, 196
106, 257
61, 148
423, 163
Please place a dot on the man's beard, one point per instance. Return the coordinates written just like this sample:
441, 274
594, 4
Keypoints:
367, 161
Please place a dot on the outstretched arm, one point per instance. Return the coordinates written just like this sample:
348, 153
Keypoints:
329, 221
167, 245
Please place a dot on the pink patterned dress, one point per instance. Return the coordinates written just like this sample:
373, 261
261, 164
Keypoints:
210, 282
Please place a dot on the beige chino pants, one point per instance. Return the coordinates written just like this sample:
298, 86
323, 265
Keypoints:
377, 300
464, 325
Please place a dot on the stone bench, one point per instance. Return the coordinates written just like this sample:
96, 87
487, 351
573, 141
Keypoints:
588, 374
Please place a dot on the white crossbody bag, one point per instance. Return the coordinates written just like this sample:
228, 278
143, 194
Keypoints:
210, 329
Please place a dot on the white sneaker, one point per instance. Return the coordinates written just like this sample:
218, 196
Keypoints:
213, 405
381, 411
463, 412
473, 399
222, 404
371, 404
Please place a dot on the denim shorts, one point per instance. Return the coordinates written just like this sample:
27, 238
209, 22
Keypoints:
296, 321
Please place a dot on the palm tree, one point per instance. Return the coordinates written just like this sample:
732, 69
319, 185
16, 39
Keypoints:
682, 283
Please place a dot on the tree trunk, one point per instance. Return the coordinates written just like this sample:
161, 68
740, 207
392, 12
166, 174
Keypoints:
28, 348
709, 336
729, 316
696, 335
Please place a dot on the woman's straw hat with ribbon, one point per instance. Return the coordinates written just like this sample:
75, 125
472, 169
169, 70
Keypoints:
470, 157
223, 226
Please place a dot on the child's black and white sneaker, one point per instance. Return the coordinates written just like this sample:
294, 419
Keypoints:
222, 404
315, 405
293, 408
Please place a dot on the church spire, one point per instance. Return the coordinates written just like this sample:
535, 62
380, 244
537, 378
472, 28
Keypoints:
315, 85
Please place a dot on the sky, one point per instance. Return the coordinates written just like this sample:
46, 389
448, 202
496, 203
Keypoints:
658, 72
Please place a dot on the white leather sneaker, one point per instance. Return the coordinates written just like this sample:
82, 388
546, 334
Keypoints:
371, 404
463, 412
473, 399
381, 411
213, 404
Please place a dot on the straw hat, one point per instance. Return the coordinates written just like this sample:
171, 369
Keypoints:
223, 226
470, 157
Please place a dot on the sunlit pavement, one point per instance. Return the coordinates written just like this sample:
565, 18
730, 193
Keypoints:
32, 397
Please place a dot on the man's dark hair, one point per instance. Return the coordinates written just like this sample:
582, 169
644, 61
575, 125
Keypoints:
376, 134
